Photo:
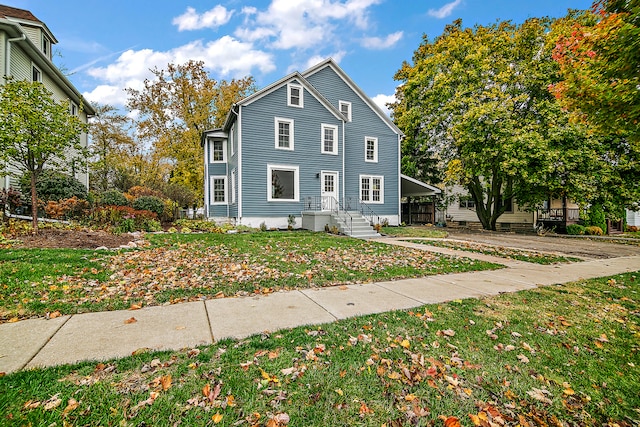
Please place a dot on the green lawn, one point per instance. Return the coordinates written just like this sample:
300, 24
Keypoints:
186, 267
518, 254
558, 355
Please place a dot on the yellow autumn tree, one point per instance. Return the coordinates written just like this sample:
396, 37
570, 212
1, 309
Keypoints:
173, 110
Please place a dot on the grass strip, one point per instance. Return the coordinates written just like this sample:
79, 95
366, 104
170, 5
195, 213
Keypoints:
500, 251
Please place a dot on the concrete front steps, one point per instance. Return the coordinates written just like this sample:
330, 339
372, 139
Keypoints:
360, 227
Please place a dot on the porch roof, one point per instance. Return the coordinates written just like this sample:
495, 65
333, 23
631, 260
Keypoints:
411, 187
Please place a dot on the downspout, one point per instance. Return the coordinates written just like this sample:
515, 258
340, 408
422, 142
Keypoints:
344, 178
206, 177
400, 182
7, 73
238, 114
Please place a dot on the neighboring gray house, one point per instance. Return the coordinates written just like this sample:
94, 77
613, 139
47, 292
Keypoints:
26, 45
311, 145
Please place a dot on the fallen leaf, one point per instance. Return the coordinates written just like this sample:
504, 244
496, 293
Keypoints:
165, 382
451, 422
523, 358
231, 401
343, 288
135, 307
54, 315
130, 321
448, 332
364, 409
405, 344
71, 405
540, 394
140, 351
217, 417
52, 403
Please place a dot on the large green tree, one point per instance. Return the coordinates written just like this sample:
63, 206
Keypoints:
36, 132
475, 101
175, 107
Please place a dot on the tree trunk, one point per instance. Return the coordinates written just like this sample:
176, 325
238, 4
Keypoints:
34, 204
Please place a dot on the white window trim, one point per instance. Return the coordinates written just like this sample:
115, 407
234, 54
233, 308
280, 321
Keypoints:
224, 152
291, 133
370, 178
233, 186
296, 86
212, 179
323, 127
296, 182
232, 141
73, 109
375, 151
34, 67
340, 104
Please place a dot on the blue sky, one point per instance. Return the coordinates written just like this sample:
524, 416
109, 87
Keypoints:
111, 45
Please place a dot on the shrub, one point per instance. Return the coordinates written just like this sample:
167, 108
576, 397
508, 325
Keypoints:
632, 228
593, 230
113, 198
139, 191
198, 225
123, 219
72, 208
575, 229
596, 217
10, 199
149, 203
52, 185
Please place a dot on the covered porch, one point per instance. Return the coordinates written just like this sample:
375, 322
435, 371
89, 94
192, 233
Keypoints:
415, 210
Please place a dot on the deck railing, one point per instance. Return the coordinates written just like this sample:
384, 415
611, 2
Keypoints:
568, 215
330, 203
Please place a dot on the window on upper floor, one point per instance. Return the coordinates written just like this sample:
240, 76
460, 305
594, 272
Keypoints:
329, 139
370, 149
232, 141
36, 74
295, 95
372, 189
233, 186
345, 109
284, 133
216, 151
218, 190
46, 46
283, 183
73, 109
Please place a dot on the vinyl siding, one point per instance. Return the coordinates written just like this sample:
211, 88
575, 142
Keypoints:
364, 122
518, 216
258, 151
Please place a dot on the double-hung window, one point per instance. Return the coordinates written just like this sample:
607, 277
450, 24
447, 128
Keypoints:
36, 74
345, 109
218, 194
284, 133
371, 149
233, 186
329, 139
372, 189
217, 151
283, 183
295, 95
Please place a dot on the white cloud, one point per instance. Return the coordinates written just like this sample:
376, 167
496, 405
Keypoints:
382, 100
225, 56
445, 10
288, 25
382, 43
191, 20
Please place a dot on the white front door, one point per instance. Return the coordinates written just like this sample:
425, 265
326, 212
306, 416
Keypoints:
329, 190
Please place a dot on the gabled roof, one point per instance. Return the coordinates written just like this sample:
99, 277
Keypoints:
329, 62
277, 85
11, 21
25, 17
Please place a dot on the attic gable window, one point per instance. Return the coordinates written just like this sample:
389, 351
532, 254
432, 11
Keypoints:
295, 96
345, 109
46, 46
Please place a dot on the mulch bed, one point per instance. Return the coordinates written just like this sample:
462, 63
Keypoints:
78, 239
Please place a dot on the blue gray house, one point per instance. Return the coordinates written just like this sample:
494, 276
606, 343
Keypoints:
313, 147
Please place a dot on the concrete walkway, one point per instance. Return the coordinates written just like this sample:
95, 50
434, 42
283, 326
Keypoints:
105, 335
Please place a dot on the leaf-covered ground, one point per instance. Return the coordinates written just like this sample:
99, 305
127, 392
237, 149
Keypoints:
499, 251
565, 355
177, 268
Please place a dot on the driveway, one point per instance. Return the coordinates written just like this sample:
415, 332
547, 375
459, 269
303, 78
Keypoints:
572, 246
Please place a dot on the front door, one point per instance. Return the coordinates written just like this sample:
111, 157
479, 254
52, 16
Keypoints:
329, 190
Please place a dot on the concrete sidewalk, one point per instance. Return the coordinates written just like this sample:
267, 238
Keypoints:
105, 335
